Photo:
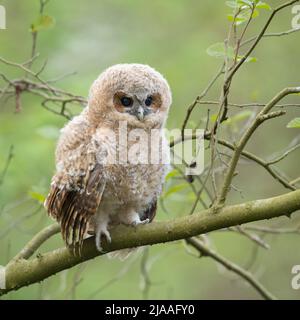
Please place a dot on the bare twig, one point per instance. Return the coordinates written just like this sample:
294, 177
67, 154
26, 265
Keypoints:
262, 116
246, 105
198, 99
125, 269
265, 164
295, 181
37, 241
77, 279
146, 281
17, 222
258, 38
270, 35
206, 251
284, 155
222, 114
263, 229
34, 34
7, 163
253, 237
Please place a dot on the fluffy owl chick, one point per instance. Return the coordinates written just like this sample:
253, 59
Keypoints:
96, 185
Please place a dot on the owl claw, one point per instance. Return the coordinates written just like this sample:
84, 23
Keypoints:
137, 223
99, 233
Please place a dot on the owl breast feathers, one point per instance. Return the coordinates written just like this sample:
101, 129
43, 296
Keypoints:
105, 173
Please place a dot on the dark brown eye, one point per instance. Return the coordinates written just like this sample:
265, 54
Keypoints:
148, 101
126, 101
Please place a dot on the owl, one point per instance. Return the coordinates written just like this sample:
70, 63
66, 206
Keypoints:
104, 175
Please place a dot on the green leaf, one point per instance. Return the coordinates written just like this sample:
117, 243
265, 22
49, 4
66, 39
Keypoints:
213, 117
231, 4
263, 5
246, 2
248, 59
42, 23
245, 11
255, 13
240, 3
295, 123
191, 196
37, 196
241, 116
238, 20
217, 50
171, 174
174, 189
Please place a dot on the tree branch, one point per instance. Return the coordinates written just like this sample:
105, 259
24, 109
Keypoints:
258, 38
7, 163
270, 35
206, 251
261, 117
265, 164
20, 273
37, 241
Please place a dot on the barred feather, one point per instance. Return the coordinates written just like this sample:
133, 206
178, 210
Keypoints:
74, 208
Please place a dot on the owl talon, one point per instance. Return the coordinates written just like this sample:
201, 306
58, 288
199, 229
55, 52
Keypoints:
137, 223
99, 233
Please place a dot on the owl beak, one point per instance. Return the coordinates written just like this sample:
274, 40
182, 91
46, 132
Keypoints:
140, 113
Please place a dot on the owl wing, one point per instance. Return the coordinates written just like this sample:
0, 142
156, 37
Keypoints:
76, 192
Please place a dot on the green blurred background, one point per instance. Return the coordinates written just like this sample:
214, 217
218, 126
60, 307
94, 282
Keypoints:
172, 36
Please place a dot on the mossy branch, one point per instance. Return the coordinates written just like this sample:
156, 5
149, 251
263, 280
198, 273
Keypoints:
21, 272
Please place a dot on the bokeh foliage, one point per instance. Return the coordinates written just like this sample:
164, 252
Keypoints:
172, 36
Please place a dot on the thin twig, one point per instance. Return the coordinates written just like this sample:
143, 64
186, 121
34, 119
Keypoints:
284, 155
253, 237
247, 105
198, 99
206, 251
270, 35
245, 154
263, 229
261, 117
37, 241
146, 281
7, 163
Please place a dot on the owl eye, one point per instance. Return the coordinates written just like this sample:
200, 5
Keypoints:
126, 101
148, 101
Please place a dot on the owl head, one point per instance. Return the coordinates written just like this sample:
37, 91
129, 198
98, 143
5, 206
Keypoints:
135, 93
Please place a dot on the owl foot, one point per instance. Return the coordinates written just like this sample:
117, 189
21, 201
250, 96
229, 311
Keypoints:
132, 218
101, 231
139, 222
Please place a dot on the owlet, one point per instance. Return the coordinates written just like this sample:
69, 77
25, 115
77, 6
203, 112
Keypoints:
112, 159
